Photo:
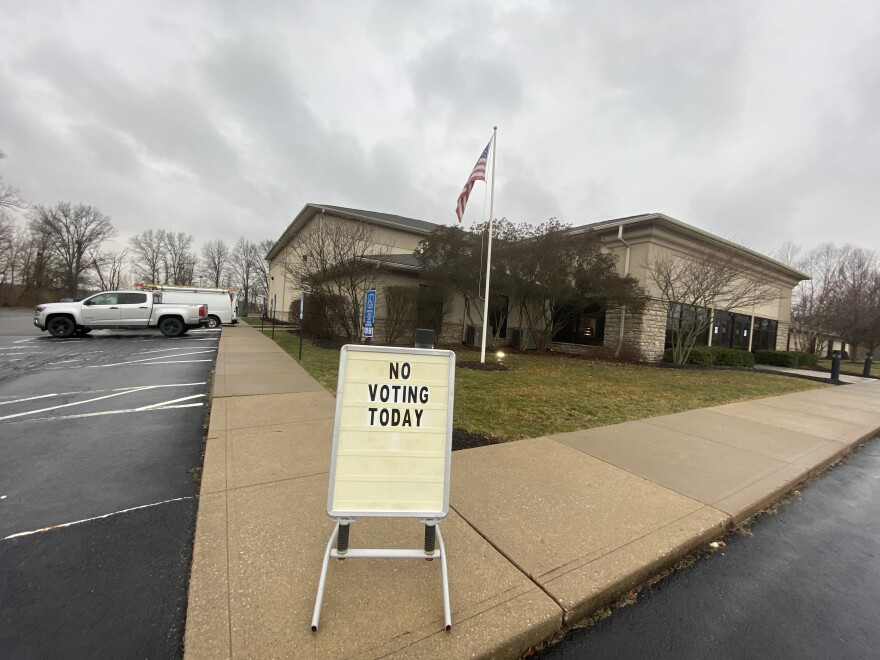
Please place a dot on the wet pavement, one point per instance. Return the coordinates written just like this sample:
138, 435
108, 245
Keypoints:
806, 584
102, 440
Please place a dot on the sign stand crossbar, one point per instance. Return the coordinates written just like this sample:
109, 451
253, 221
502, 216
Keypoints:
384, 553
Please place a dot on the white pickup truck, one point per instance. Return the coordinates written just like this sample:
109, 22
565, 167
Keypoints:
119, 309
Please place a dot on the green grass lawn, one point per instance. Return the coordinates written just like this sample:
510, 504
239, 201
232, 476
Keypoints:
543, 394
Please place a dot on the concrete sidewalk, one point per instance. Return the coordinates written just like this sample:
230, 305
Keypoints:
540, 531
850, 379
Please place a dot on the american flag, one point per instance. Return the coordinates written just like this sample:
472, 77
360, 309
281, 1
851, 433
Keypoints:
479, 174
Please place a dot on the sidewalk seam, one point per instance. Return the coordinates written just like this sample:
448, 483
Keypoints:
512, 562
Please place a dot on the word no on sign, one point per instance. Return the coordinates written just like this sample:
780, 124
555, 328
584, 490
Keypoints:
392, 438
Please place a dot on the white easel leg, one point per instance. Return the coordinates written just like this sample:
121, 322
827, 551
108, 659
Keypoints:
447, 614
320, 598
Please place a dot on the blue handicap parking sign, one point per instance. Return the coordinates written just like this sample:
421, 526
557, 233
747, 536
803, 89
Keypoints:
370, 310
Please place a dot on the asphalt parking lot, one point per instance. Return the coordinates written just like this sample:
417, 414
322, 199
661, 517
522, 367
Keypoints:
102, 443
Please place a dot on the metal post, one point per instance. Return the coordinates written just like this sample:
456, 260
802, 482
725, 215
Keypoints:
430, 541
425, 338
835, 365
869, 359
342, 538
302, 300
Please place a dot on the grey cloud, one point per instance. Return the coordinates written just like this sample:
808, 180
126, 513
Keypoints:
456, 83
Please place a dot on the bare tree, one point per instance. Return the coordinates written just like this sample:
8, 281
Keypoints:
261, 281
337, 261
851, 300
7, 250
72, 231
108, 269
809, 304
695, 283
147, 250
244, 260
10, 199
178, 260
215, 261
10, 202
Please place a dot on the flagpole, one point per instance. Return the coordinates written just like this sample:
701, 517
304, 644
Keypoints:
489, 252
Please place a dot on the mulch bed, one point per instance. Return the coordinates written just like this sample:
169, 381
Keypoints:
462, 439
481, 366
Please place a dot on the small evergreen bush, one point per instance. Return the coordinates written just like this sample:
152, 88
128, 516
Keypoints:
732, 357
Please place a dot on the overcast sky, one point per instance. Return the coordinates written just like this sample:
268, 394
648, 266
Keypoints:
758, 121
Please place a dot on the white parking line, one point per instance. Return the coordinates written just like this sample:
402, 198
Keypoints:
115, 389
172, 401
102, 413
85, 520
117, 364
164, 350
131, 390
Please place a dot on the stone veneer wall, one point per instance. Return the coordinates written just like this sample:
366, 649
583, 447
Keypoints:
782, 335
643, 336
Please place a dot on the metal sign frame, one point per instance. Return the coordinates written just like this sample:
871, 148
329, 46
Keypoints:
334, 456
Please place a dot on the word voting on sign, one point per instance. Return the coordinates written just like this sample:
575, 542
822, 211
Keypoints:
392, 438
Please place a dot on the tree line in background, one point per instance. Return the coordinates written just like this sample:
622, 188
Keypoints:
60, 251
841, 300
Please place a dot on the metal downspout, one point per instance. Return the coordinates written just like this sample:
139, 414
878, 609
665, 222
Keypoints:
625, 273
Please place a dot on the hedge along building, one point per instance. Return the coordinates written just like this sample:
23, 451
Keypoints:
639, 243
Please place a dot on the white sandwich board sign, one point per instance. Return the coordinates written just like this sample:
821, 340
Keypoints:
392, 438
392, 449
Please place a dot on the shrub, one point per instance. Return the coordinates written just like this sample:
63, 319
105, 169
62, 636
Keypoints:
787, 358
707, 356
700, 355
732, 357
777, 358
807, 359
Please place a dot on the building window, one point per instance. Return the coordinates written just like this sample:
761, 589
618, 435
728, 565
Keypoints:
730, 330
684, 319
764, 334
585, 326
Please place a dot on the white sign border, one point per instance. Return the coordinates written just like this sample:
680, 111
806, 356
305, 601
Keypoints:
340, 382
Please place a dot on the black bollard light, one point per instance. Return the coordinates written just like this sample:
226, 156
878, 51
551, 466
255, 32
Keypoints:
835, 365
869, 359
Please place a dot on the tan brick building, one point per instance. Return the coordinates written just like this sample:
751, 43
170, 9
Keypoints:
634, 240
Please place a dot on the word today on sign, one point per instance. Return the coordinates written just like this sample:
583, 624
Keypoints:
392, 437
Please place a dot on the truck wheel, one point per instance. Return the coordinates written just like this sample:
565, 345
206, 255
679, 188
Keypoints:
213, 321
171, 326
61, 327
